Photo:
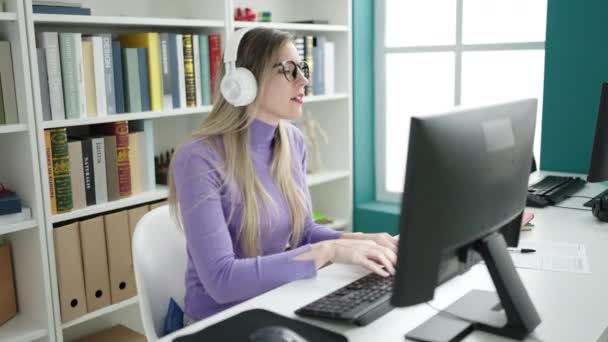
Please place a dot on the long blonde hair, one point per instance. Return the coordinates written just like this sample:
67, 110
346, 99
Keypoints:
257, 51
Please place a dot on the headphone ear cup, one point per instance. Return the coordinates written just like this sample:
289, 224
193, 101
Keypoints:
239, 87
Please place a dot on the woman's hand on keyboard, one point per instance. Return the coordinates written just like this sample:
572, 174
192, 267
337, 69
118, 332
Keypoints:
364, 252
383, 239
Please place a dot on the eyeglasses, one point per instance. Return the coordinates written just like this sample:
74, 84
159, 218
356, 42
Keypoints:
290, 69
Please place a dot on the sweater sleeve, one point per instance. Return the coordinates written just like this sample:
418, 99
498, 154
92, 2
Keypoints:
313, 232
224, 276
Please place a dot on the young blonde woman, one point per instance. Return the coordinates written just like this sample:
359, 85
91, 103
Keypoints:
239, 187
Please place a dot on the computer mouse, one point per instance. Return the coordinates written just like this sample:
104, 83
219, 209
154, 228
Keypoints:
275, 333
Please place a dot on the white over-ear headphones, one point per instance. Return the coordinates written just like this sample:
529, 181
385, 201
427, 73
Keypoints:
238, 85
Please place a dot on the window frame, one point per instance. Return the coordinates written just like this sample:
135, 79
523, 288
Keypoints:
380, 52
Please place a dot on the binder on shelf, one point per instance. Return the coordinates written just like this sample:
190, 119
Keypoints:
8, 300
95, 262
70, 277
120, 265
135, 214
115, 333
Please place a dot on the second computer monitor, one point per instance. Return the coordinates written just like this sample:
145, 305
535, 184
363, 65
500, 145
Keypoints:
466, 181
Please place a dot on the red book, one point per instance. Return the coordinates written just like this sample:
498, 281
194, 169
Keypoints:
215, 60
120, 130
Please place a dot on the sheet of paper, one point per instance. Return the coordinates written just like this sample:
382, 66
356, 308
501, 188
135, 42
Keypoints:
552, 256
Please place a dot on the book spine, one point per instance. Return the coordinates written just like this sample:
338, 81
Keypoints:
174, 70
89, 76
130, 66
99, 170
49, 170
50, 42
76, 175
100, 83
215, 58
69, 75
108, 67
155, 79
118, 79
8, 84
203, 44
308, 58
166, 73
134, 163
196, 69
329, 67
122, 158
144, 79
61, 169
80, 74
189, 71
180, 71
88, 170
44, 86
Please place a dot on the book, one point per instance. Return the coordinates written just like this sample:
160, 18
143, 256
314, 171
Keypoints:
67, 3
181, 82
99, 170
145, 145
108, 67
329, 67
67, 10
144, 80
174, 71
9, 96
189, 70
69, 73
165, 59
197, 72
119, 92
61, 169
100, 76
134, 162
49, 170
318, 55
88, 170
130, 65
43, 78
150, 41
76, 174
205, 75
118, 172
215, 60
308, 58
89, 76
49, 41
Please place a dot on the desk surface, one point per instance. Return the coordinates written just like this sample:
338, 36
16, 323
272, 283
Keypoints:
572, 306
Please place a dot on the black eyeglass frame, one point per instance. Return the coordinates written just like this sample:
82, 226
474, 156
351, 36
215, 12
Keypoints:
302, 66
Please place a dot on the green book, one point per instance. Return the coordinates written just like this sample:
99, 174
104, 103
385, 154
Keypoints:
69, 74
203, 46
61, 169
132, 87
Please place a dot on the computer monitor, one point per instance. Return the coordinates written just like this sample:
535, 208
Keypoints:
465, 183
598, 168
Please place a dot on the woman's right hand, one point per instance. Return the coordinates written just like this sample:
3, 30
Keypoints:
366, 253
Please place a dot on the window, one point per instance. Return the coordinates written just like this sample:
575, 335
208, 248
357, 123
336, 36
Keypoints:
433, 55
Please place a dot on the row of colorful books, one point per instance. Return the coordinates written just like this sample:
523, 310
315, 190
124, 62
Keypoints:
104, 163
319, 54
83, 76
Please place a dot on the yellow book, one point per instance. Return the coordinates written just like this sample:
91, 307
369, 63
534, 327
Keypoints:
89, 78
151, 42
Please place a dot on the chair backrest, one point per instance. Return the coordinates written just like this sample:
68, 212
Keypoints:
159, 260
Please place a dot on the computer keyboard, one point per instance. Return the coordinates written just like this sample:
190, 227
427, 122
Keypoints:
552, 190
359, 302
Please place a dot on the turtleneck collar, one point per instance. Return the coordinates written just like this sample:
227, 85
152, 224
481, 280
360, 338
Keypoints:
261, 134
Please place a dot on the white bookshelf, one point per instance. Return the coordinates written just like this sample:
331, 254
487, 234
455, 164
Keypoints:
8, 16
20, 172
14, 128
331, 188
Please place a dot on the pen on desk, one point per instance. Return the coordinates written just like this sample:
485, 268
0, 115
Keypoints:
522, 250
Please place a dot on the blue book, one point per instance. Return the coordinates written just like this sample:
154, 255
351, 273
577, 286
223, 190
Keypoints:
119, 91
144, 80
173, 70
44, 9
203, 45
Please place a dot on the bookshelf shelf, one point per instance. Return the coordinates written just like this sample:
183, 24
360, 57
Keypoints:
13, 128
94, 20
294, 27
22, 329
8, 16
325, 177
101, 312
126, 116
19, 226
159, 193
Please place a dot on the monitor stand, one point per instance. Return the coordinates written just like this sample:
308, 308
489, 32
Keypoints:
507, 312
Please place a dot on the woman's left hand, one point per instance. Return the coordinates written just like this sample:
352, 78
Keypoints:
383, 239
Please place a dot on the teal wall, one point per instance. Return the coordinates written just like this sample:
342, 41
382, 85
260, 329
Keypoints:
368, 216
575, 64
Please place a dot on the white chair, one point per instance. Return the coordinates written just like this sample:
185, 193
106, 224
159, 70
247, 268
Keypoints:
159, 260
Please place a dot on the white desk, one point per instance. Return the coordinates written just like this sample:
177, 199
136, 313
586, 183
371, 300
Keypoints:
573, 307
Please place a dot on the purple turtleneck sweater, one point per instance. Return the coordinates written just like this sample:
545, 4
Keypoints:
218, 275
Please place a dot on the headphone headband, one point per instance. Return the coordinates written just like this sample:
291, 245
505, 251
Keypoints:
232, 48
